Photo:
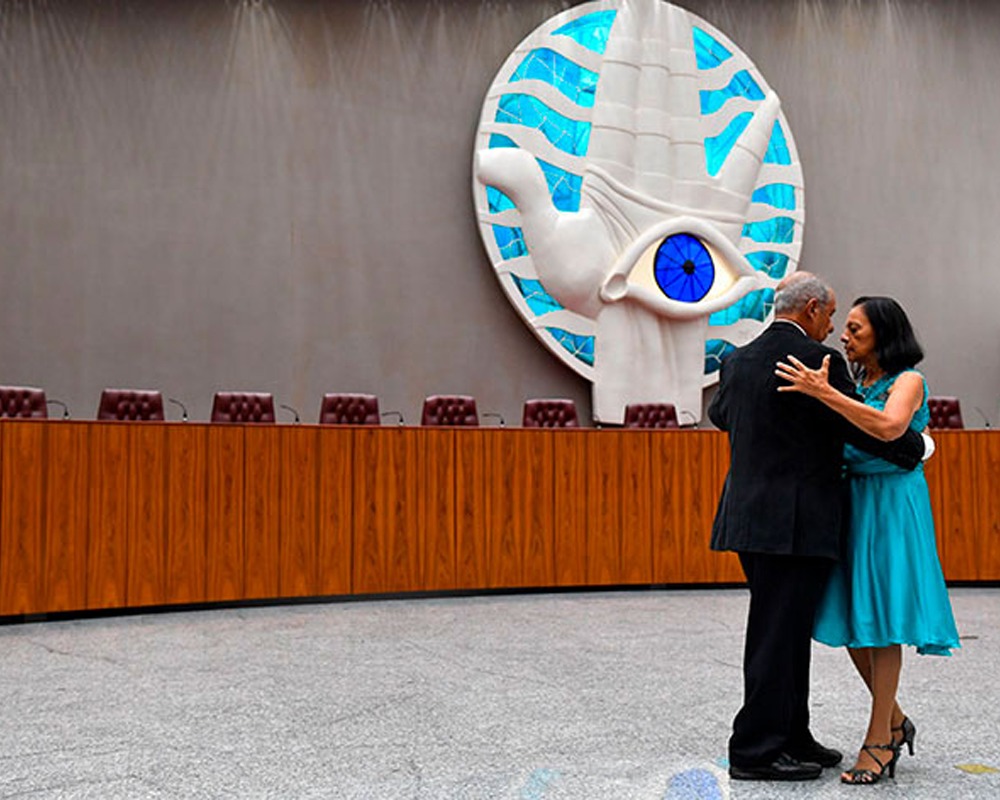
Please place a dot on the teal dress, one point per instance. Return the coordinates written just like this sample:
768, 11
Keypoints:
888, 588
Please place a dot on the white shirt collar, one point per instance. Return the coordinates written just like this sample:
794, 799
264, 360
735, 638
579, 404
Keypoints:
793, 323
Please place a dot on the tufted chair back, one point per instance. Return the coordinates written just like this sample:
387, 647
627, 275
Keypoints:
945, 412
243, 407
130, 404
651, 415
550, 414
22, 401
449, 409
349, 409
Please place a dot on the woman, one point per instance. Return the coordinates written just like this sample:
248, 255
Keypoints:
888, 590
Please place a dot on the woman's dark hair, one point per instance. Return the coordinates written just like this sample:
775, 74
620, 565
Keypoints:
896, 345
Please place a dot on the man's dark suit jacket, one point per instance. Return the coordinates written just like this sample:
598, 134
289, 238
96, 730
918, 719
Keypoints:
784, 493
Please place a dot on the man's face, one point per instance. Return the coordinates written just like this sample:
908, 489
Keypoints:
819, 318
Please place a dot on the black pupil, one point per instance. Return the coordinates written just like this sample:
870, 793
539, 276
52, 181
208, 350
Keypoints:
688, 267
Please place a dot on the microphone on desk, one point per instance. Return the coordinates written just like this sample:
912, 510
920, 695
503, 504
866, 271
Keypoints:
393, 414
61, 404
503, 422
289, 408
184, 411
986, 420
692, 423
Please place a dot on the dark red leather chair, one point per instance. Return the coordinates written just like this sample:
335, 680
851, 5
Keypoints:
243, 407
543, 413
23, 402
946, 412
651, 415
134, 405
449, 409
349, 409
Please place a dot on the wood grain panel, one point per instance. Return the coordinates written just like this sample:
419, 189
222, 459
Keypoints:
538, 510
957, 543
521, 537
569, 515
187, 514
66, 522
299, 576
261, 511
336, 510
636, 490
22, 563
436, 500
604, 506
666, 454
504, 537
108, 511
386, 536
689, 469
225, 550
147, 520
3, 530
985, 479
474, 479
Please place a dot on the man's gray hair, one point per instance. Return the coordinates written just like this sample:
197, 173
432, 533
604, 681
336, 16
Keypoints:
796, 290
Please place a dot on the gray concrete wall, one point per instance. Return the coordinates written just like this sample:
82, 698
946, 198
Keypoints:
197, 196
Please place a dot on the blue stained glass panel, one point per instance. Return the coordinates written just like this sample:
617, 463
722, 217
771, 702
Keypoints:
577, 83
780, 230
580, 346
715, 351
777, 148
756, 305
563, 186
779, 195
707, 51
742, 85
774, 264
534, 294
717, 148
569, 135
498, 200
499, 140
591, 30
510, 242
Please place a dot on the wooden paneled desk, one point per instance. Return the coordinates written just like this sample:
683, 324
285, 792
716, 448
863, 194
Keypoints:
118, 515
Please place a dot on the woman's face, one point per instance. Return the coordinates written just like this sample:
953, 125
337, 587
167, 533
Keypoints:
858, 337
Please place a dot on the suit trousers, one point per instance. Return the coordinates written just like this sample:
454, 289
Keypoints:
785, 592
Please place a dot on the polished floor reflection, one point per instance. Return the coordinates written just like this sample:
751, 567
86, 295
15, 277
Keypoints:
528, 697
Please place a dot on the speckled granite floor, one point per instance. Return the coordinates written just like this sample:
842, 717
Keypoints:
529, 697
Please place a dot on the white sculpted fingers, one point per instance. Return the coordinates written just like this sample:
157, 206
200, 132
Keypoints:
516, 173
739, 173
571, 251
646, 126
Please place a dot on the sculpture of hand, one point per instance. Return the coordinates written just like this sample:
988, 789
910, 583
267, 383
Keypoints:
652, 251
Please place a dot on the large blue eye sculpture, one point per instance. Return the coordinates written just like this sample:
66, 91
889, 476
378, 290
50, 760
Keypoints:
683, 268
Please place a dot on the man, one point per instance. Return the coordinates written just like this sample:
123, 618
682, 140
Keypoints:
782, 510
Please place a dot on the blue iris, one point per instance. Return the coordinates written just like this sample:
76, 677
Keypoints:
683, 268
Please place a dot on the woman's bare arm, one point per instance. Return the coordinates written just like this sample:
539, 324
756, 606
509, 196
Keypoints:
905, 397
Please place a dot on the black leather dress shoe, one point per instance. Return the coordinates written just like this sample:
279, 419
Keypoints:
783, 768
817, 754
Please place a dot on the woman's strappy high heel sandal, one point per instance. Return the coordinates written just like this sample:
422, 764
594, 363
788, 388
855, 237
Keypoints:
866, 777
908, 731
